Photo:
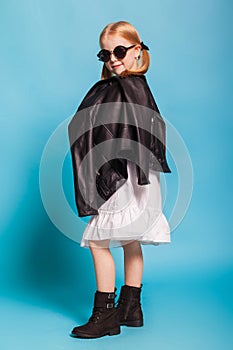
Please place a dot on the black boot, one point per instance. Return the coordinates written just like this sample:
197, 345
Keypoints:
104, 319
129, 306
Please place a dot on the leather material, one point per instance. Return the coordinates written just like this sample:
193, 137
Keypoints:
104, 319
95, 182
129, 307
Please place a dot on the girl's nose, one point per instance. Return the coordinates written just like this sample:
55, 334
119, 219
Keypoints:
113, 57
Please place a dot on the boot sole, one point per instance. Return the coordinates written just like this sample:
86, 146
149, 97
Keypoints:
113, 331
137, 323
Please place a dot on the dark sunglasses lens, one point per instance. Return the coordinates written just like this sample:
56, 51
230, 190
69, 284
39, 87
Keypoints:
120, 51
104, 55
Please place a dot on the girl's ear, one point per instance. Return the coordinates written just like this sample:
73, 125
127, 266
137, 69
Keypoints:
137, 50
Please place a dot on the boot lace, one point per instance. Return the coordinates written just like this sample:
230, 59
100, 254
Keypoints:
96, 313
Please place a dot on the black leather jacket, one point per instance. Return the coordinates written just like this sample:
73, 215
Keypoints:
117, 120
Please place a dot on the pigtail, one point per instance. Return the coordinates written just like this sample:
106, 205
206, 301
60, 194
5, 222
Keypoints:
145, 62
143, 67
105, 74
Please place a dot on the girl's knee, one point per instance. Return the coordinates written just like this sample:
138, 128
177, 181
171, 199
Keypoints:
94, 244
129, 244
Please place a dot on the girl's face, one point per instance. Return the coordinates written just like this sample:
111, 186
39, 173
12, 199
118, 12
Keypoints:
118, 65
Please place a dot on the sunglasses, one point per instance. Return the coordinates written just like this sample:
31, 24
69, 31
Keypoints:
119, 52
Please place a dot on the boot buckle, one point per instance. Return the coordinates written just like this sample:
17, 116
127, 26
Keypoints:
110, 305
111, 295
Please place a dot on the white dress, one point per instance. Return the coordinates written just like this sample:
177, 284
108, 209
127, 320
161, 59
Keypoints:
133, 212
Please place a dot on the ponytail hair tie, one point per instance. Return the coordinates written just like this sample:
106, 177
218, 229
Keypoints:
144, 47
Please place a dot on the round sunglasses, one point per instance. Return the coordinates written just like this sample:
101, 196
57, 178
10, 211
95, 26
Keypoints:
119, 52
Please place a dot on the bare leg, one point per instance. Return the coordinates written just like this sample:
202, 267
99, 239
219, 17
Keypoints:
133, 263
104, 268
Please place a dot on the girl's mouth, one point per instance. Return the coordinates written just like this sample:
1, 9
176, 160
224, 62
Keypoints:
116, 66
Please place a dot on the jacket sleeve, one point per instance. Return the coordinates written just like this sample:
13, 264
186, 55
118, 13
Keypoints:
79, 145
95, 177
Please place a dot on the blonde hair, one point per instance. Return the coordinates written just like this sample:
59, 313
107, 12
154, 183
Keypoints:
127, 31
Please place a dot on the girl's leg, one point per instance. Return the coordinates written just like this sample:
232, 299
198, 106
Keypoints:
104, 319
133, 263
104, 267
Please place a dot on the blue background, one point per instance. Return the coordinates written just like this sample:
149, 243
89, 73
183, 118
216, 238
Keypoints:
48, 62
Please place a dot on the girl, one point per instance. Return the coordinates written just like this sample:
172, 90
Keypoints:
131, 213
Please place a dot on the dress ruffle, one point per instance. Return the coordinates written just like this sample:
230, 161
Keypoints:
133, 212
